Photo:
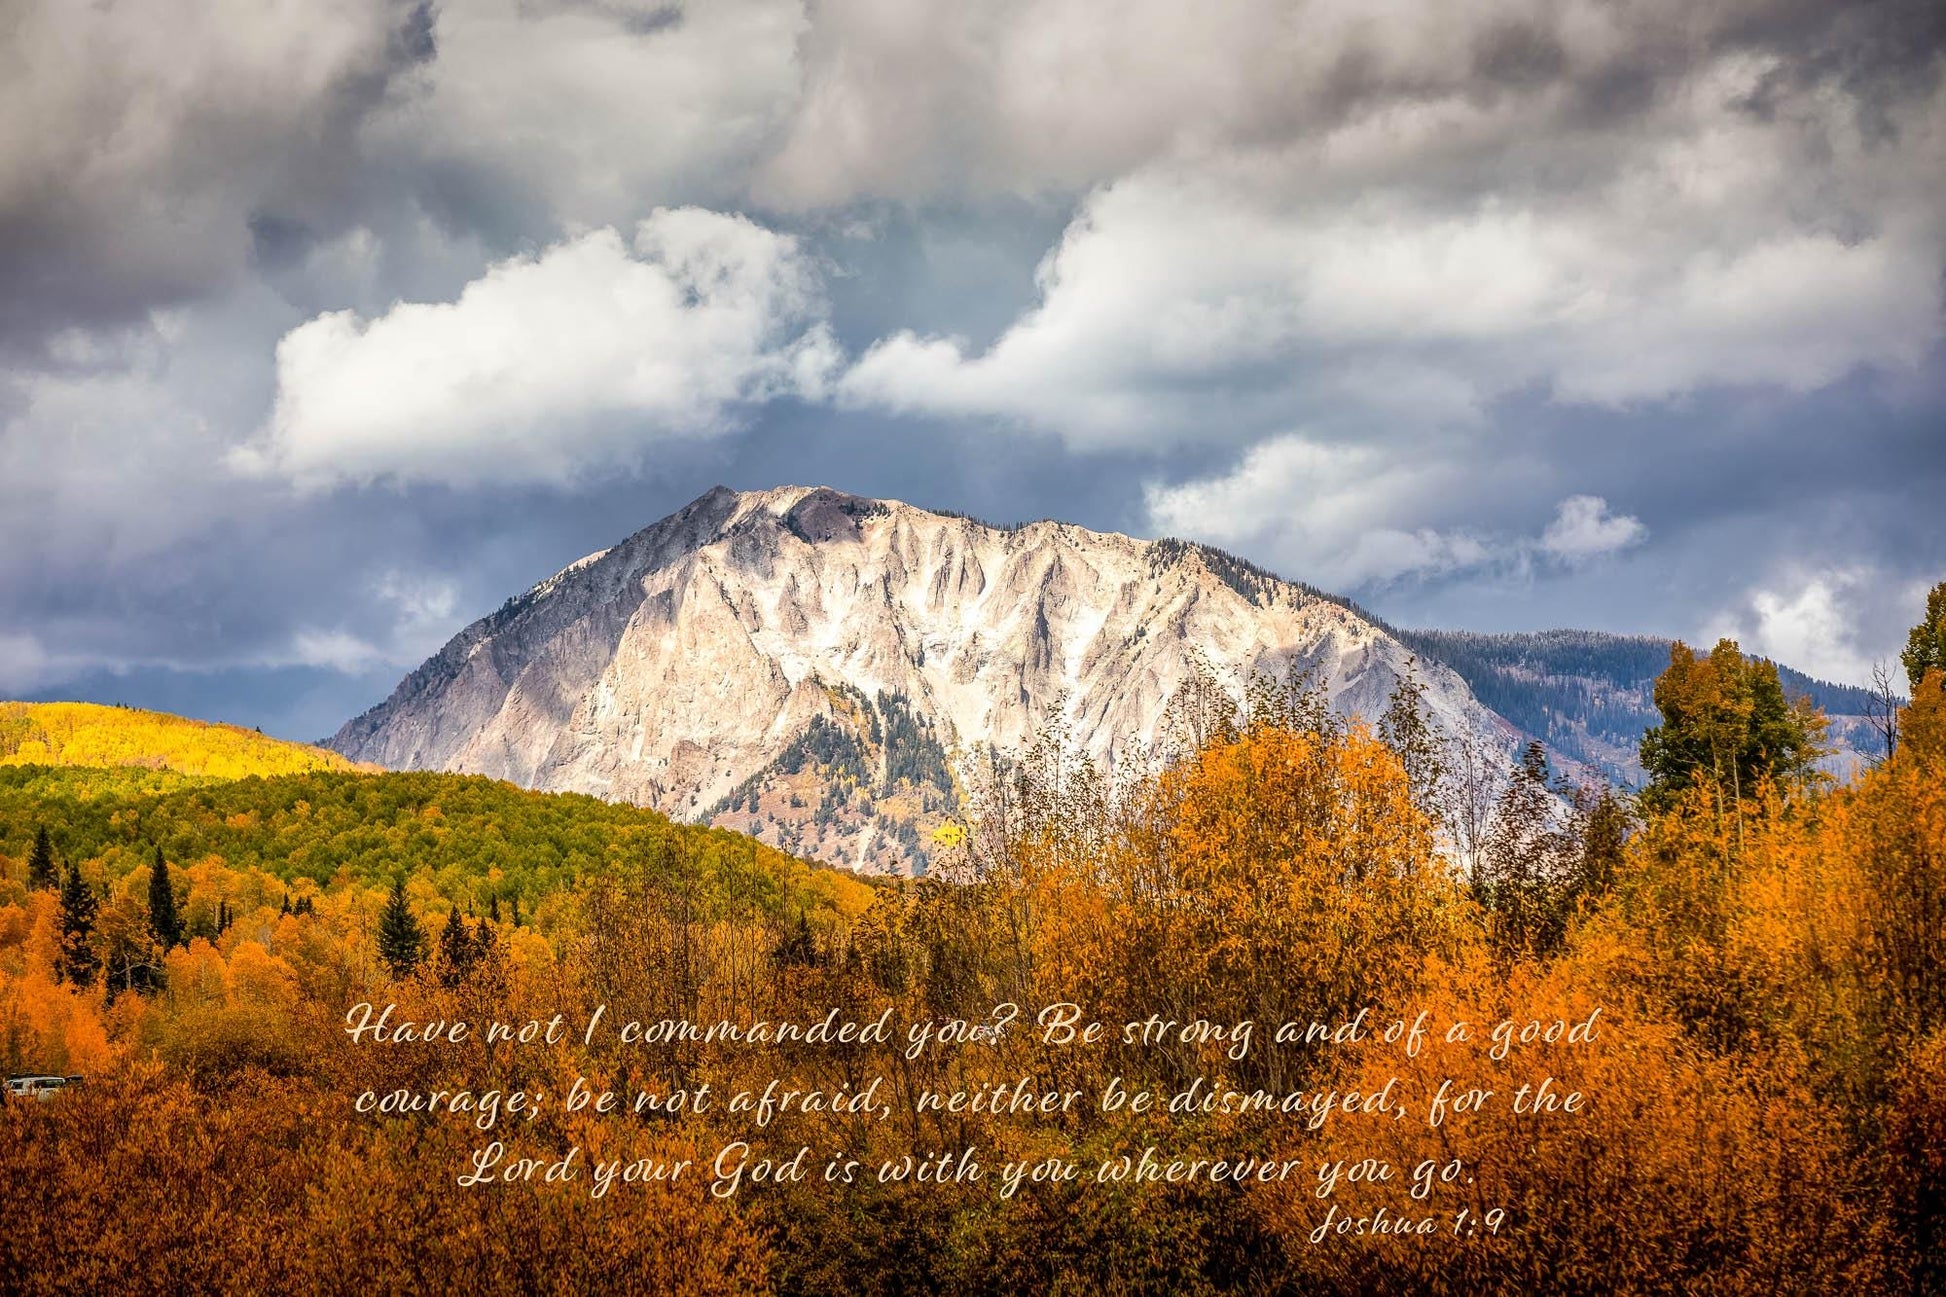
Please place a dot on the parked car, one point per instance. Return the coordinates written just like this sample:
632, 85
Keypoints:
38, 1087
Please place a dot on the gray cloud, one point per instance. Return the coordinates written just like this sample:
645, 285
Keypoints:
144, 148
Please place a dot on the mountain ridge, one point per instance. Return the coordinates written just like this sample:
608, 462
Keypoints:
818, 668
1590, 694
822, 627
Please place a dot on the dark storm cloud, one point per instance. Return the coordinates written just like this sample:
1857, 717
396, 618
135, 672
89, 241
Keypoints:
1498, 313
146, 147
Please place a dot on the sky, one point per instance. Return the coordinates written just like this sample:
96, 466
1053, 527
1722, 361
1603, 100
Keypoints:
324, 328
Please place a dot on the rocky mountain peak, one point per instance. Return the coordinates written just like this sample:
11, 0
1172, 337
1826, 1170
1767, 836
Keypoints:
815, 666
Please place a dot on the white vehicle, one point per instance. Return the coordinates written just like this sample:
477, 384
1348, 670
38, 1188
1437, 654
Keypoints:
38, 1087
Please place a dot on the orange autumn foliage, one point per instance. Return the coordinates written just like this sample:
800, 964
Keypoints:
1762, 1101
1684, 1170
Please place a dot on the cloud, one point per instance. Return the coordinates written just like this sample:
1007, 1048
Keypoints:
153, 154
334, 650
591, 112
1806, 619
1400, 237
78, 488
1262, 282
1349, 517
139, 143
160, 154
547, 367
23, 663
423, 612
1584, 529
915, 101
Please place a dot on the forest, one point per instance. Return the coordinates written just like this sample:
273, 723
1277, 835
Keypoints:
1763, 947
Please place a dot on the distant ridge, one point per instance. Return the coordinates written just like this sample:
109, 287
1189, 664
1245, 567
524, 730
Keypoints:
1591, 695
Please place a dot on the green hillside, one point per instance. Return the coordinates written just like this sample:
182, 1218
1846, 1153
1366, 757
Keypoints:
473, 839
110, 786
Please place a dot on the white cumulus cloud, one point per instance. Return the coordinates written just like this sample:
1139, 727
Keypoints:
1814, 620
549, 366
1335, 515
1232, 291
1347, 516
1583, 529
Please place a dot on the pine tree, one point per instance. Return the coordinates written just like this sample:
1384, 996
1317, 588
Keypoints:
79, 906
287, 905
799, 948
456, 949
489, 971
401, 941
1405, 730
163, 919
1925, 647
1526, 870
493, 908
1604, 824
40, 862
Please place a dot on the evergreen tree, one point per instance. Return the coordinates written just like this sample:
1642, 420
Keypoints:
493, 908
1604, 826
1526, 870
1405, 730
456, 949
40, 862
79, 906
489, 971
401, 940
163, 919
798, 948
287, 905
1925, 647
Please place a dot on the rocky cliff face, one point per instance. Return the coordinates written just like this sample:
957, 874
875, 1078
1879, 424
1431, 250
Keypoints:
813, 666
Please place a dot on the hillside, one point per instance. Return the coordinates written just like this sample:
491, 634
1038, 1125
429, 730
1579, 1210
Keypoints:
469, 840
827, 671
263, 818
90, 734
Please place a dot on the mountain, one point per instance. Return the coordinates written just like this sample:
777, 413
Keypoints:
1591, 696
818, 668
90, 734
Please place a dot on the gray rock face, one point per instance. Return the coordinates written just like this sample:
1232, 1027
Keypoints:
811, 666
